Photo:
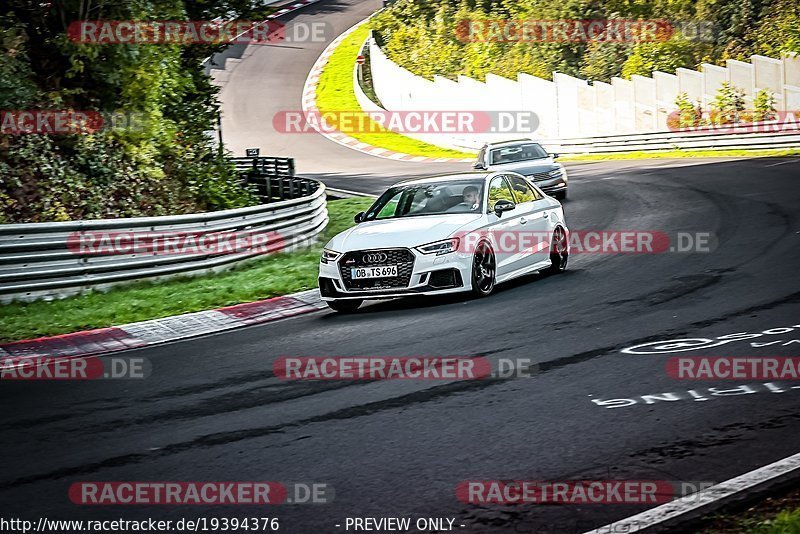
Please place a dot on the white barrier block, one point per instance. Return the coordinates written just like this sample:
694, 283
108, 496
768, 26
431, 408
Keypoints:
567, 91
713, 78
741, 75
769, 75
540, 96
604, 99
587, 110
442, 95
624, 115
666, 95
791, 69
507, 96
644, 102
691, 83
792, 97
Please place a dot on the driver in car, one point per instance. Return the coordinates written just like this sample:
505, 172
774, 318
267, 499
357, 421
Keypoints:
471, 199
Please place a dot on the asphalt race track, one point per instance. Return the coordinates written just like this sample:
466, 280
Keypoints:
213, 410
270, 80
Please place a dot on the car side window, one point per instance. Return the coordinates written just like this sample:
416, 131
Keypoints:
390, 209
522, 190
499, 190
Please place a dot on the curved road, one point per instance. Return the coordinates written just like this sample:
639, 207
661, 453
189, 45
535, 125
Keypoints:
270, 81
212, 409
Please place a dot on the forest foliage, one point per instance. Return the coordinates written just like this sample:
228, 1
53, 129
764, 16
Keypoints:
160, 163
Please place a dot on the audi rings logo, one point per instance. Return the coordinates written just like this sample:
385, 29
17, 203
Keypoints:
375, 257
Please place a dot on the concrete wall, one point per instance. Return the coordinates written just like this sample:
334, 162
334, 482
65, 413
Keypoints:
571, 107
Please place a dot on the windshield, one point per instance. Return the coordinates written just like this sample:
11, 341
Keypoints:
514, 153
430, 198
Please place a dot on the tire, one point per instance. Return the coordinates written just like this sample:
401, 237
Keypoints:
561, 195
559, 252
344, 306
484, 268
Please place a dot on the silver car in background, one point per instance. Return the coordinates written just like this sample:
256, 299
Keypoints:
529, 159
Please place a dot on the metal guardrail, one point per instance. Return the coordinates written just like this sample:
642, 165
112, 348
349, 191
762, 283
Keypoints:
688, 140
273, 178
48, 260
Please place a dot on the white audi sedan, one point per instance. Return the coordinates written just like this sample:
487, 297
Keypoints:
445, 234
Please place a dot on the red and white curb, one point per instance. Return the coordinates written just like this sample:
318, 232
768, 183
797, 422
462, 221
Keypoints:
309, 106
697, 505
157, 331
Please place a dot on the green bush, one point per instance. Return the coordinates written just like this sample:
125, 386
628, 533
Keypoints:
422, 36
689, 114
165, 164
764, 106
728, 105
665, 56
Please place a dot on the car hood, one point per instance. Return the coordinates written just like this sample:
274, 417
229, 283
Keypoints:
527, 167
404, 232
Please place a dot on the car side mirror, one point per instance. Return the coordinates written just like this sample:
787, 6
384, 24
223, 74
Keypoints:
502, 206
359, 217
555, 155
478, 166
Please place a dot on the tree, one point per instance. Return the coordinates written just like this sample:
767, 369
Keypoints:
162, 164
666, 56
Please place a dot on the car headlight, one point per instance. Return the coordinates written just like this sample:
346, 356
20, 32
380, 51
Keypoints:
555, 173
329, 255
446, 246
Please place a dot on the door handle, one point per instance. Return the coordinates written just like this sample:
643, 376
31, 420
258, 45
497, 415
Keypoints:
523, 220
545, 215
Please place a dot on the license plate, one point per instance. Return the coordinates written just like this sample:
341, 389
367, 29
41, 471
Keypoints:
384, 271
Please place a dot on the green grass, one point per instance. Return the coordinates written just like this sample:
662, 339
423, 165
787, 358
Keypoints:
335, 93
660, 154
271, 276
775, 514
785, 522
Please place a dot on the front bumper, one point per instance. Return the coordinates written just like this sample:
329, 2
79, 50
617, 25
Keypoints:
428, 275
552, 185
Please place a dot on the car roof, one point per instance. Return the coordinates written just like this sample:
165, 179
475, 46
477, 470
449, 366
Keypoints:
447, 177
511, 142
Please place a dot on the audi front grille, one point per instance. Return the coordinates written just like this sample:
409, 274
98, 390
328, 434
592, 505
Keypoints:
402, 257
